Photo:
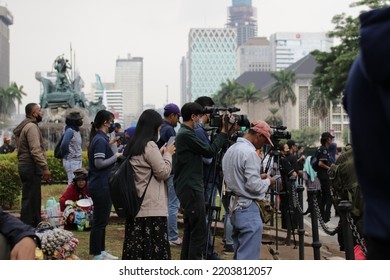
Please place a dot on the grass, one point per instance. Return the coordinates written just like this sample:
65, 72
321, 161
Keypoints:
115, 231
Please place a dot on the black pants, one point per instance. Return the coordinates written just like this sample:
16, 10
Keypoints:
195, 229
30, 175
326, 198
378, 249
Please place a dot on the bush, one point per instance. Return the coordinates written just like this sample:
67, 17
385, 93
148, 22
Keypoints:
10, 184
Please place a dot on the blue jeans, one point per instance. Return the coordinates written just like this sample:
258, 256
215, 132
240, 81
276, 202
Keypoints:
247, 231
228, 229
173, 208
101, 214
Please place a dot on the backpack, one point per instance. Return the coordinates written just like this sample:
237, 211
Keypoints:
314, 161
57, 149
344, 182
123, 190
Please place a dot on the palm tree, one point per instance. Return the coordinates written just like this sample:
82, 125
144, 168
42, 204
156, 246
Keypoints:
8, 97
274, 120
17, 94
248, 95
319, 102
282, 90
226, 96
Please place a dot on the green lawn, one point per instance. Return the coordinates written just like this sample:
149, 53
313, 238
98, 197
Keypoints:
114, 231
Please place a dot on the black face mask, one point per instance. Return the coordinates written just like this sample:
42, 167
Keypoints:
79, 122
39, 118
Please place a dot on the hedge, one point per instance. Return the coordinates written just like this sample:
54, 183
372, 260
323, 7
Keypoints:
10, 184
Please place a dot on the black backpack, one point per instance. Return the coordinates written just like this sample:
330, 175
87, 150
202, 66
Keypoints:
123, 190
57, 149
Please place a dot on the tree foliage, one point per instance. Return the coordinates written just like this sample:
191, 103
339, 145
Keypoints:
9, 98
332, 71
282, 91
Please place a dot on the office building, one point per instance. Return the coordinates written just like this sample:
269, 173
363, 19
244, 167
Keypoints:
129, 80
243, 17
289, 47
254, 55
114, 99
211, 60
6, 19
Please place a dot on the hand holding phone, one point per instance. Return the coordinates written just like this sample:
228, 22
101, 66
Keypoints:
171, 140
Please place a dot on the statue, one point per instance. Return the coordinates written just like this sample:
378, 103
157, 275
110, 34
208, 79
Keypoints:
64, 93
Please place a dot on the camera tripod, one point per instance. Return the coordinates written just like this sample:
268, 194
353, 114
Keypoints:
273, 156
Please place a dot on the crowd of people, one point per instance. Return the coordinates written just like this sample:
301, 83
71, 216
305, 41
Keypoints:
176, 169
177, 174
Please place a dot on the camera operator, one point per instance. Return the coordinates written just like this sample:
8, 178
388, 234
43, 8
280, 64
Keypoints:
241, 168
188, 178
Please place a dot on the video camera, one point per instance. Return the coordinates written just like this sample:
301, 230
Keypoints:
279, 132
217, 113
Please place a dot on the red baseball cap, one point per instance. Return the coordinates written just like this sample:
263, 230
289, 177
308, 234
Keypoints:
263, 128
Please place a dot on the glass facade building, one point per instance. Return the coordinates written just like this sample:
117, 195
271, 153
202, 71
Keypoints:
211, 60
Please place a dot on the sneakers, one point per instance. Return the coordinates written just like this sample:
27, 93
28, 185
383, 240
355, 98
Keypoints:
228, 249
108, 256
176, 242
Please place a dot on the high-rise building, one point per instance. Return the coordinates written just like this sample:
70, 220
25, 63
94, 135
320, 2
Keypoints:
254, 55
289, 47
6, 19
243, 17
129, 80
114, 99
211, 60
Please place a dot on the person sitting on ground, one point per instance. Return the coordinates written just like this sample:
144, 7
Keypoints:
75, 214
20, 238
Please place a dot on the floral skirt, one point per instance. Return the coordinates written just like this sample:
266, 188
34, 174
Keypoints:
146, 238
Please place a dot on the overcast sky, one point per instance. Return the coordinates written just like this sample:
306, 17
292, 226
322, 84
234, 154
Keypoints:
100, 31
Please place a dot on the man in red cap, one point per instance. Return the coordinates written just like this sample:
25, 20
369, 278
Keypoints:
241, 169
7, 147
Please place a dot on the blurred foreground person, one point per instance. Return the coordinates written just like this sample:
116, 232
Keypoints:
367, 102
17, 240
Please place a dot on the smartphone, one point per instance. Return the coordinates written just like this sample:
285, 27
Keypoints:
276, 177
171, 140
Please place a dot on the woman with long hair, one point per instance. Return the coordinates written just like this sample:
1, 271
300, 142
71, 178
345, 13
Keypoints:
146, 236
101, 159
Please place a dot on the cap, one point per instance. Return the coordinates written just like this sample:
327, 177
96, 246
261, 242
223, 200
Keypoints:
80, 173
291, 143
130, 131
6, 138
263, 128
74, 116
326, 135
172, 108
